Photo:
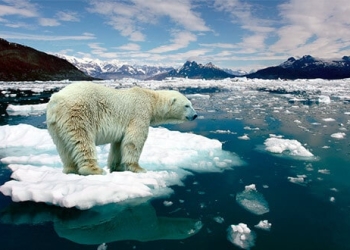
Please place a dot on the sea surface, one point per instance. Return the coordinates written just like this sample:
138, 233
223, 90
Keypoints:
308, 198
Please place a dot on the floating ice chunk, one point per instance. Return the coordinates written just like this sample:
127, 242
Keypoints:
324, 99
26, 110
249, 128
103, 246
244, 137
300, 180
192, 96
339, 135
37, 171
219, 219
167, 203
332, 199
241, 236
324, 171
253, 201
291, 147
219, 131
264, 225
328, 119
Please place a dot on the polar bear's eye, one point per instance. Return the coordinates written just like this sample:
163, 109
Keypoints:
187, 106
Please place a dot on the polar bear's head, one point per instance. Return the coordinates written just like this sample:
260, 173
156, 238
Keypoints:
178, 107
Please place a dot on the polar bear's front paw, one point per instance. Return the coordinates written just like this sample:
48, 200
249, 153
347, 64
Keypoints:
91, 170
135, 167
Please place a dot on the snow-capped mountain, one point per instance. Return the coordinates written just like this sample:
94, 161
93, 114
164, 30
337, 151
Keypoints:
235, 72
307, 67
194, 70
114, 69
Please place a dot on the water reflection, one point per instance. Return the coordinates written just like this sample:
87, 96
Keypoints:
113, 222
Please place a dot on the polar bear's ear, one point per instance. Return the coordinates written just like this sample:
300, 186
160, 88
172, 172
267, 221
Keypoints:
173, 100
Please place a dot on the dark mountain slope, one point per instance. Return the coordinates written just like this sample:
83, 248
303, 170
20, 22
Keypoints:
22, 63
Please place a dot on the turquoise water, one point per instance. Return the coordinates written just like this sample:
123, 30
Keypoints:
313, 214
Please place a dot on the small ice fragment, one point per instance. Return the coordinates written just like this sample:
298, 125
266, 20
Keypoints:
324, 171
324, 99
339, 135
332, 199
103, 246
241, 236
219, 219
300, 180
264, 225
253, 201
167, 203
244, 137
328, 119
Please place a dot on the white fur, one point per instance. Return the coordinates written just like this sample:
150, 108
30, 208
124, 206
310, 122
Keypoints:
85, 114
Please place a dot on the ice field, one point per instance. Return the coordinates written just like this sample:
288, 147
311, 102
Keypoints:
262, 159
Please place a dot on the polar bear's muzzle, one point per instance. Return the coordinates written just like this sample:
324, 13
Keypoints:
192, 117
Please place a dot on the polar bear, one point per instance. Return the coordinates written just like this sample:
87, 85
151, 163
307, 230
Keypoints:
86, 114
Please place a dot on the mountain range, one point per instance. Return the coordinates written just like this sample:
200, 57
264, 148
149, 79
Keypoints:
114, 69
306, 67
22, 63
193, 70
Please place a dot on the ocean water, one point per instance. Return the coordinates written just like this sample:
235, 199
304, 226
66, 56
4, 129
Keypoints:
307, 197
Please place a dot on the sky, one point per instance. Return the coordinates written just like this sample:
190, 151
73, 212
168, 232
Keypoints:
236, 34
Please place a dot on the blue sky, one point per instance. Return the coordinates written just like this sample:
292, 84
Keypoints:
234, 34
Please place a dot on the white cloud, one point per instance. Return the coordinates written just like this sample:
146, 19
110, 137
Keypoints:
181, 40
179, 11
130, 46
50, 22
67, 16
130, 17
97, 49
257, 29
219, 45
36, 37
127, 28
21, 8
318, 27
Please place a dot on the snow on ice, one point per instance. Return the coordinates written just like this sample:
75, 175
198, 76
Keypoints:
37, 169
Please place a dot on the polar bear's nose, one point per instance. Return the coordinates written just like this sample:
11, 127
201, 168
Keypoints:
191, 118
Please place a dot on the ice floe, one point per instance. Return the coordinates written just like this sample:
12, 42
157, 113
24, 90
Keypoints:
253, 201
290, 147
37, 170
